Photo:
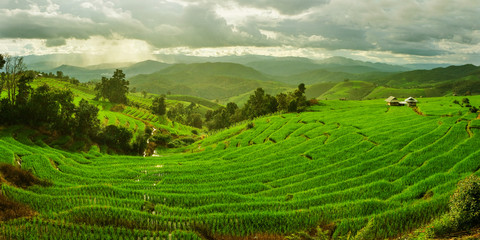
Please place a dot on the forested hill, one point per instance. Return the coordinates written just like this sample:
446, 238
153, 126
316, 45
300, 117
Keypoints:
207, 80
431, 77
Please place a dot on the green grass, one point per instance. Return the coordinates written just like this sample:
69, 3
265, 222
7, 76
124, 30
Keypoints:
360, 165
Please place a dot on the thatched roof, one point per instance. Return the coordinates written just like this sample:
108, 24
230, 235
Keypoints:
411, 100
391, 99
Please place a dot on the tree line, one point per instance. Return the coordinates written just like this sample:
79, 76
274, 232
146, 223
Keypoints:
259, 104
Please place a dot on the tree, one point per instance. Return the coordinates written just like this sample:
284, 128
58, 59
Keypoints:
301, 88
231, 108
59, 74
2, 61
114, 89
117, 137
14, 67
158, 106
24, 88
144, 94
87, 122
195, 120
282, 100
118, 88
176, 113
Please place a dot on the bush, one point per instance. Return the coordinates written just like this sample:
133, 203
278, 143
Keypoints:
464, 208
473, 109
162, 139
465, 203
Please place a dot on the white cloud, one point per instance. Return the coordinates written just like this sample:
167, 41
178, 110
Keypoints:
410, 29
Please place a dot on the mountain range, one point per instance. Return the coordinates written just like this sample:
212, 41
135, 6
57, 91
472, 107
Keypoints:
332, 78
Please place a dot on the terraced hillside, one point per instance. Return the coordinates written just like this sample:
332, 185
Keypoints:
357, 167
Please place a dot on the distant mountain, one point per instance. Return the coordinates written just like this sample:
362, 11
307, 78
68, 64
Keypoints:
322, 75
295, 66
458, 80
342, 64
96, 72
284, 66
425, 66
82, 74
207, 80
426, 78
145, 67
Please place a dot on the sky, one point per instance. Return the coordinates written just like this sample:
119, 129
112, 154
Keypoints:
391, 31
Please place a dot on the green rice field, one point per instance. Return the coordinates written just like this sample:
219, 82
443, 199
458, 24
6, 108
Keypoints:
359, 166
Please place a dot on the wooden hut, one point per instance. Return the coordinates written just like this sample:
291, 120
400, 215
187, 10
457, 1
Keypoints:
392, 101
411, 102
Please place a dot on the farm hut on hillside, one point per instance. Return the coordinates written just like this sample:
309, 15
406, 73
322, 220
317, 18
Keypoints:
410, 101
392, 101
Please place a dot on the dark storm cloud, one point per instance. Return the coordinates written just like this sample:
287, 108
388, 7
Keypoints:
412, 27
284, 6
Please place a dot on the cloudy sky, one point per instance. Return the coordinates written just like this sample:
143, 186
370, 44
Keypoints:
393, 31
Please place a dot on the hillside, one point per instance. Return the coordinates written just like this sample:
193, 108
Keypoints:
96, 72
351, 90
207, 80
285, 67
354, 167
427, 78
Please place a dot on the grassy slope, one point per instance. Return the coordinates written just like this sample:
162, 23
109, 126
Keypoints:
135, 119
351, 90
347, 163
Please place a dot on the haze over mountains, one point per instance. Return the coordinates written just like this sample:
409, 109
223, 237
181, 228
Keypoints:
234, 78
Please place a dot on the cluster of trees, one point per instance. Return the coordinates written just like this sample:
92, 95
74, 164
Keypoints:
186, 115
53, 110
61, 76
258, 104
114, 89
466, 103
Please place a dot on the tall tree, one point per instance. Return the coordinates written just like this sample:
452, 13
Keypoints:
2, 61
158, 106
114, 89
14, 68
24, 88
87, 122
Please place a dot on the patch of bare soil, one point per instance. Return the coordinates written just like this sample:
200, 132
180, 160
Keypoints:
20, 178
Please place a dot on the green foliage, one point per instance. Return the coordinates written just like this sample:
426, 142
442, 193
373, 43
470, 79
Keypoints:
86, 118
158, 106
116, 137
114, 89
2, 61
465, 203
206, 80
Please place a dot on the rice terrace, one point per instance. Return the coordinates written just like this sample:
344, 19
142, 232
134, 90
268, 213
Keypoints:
239, 120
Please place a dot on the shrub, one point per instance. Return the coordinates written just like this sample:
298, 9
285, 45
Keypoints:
465, 203
473, 109
464, 207
188, 140
162, 139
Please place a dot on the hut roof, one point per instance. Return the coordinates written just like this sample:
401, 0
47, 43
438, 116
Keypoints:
411, 100
391, 99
